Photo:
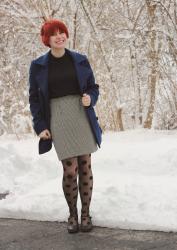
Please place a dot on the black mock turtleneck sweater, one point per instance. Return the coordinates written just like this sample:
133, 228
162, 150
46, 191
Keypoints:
62, 79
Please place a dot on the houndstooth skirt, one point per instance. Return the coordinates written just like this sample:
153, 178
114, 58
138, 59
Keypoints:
70, 128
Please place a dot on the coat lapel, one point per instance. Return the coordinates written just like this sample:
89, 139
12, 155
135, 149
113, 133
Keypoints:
42, 75
81, 71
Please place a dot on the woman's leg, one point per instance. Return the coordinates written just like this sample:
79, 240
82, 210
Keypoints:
69, 183
85, 182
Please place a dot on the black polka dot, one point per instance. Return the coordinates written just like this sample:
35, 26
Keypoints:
75, 180
89, 166
85, 203
88, 223
68, 194
85, 183
63, 178
83, 162
84, 173
89, 199
89, 155
75, 196
68, 163
76, 169
75, 188
69, 176
91, 177
68, 186
71, 222
90, 188
85, 193
83, 218
64, 169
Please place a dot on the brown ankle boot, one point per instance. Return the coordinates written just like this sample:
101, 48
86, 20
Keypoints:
86, 223
73, 226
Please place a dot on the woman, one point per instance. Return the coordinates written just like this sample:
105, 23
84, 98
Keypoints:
62, 94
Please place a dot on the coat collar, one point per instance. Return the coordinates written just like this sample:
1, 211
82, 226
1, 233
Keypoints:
43, 60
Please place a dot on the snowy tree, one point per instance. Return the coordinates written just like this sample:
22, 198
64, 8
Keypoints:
131, 46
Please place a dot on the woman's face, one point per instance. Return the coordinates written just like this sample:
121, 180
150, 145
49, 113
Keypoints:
58, 40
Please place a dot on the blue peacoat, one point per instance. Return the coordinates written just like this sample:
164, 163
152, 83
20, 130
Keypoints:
39, 97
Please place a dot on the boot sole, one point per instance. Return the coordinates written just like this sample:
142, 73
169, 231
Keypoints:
83, 229
73, 230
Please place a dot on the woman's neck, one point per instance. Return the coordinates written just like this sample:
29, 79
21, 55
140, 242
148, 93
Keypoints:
58, 52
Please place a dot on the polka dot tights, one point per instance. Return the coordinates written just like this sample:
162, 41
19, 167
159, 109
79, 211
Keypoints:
72, 167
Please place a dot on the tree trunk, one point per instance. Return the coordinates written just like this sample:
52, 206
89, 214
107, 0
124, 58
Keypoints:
153, 58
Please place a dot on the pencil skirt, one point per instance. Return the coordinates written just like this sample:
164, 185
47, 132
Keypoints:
70, 128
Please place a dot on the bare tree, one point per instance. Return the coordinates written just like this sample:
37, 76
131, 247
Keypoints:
131, 46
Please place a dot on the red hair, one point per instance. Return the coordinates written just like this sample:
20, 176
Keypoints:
49, 27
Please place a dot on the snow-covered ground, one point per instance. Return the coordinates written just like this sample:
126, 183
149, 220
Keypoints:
134, 173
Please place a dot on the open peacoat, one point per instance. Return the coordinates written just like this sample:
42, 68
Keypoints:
39, 97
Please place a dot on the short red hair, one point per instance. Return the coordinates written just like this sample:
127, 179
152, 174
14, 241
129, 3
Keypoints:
49, 27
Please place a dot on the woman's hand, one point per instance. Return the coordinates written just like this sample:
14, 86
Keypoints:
45, 134
86, 99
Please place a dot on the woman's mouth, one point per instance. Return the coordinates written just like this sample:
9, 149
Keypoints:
59, 42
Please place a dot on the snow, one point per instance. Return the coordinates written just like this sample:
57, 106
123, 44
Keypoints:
134, 174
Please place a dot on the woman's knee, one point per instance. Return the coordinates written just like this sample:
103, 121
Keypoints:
70, 167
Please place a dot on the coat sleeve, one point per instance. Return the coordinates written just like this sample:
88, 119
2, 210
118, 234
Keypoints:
92, 87
39, 123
